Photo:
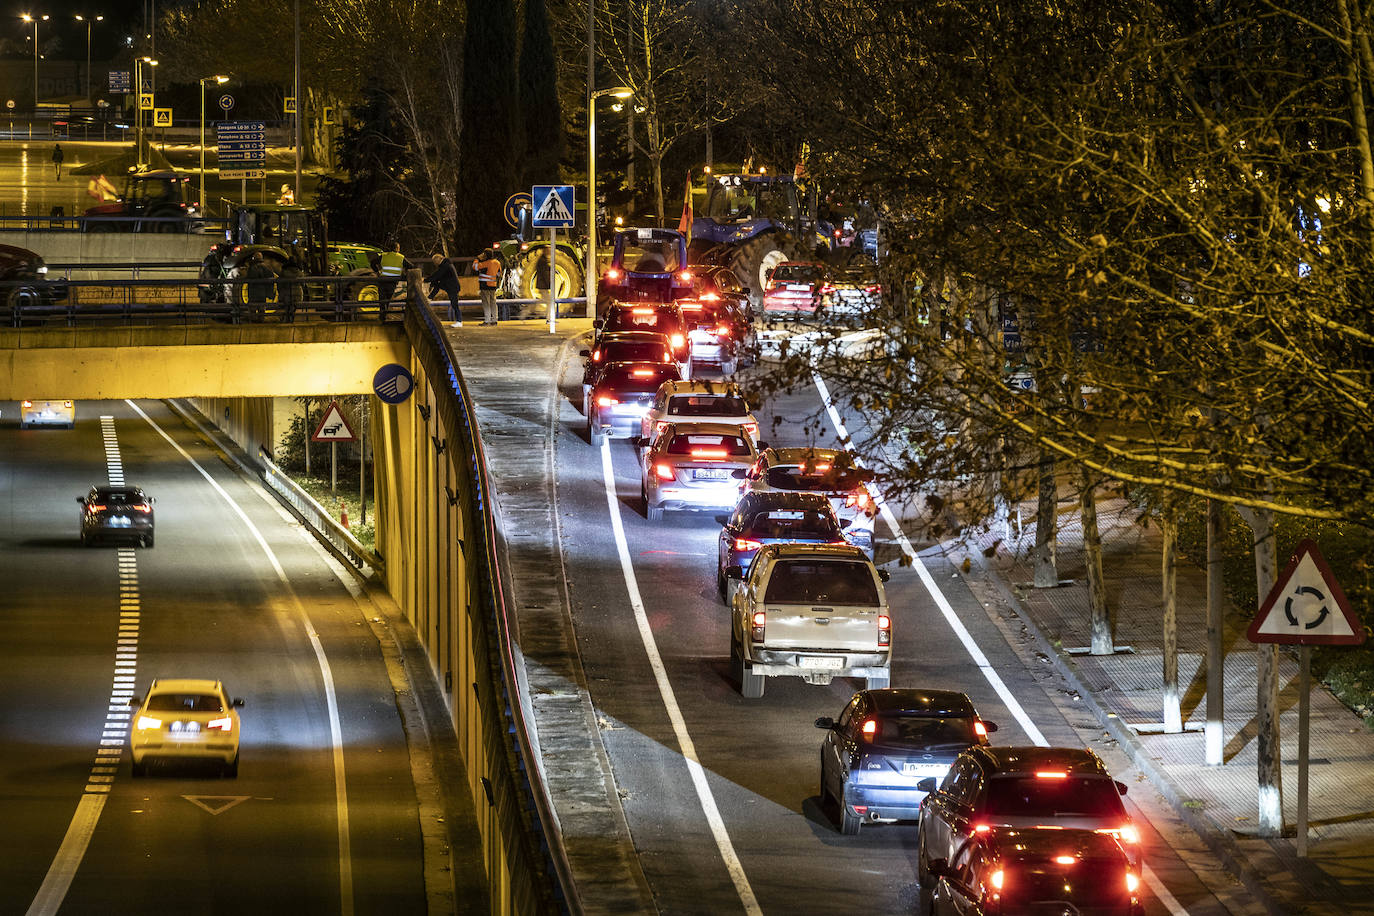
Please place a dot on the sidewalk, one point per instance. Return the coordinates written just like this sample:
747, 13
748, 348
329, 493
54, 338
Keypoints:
1125, 690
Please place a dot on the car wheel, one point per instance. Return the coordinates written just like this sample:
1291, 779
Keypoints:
140, 770
596, 433
231, 770
849, 821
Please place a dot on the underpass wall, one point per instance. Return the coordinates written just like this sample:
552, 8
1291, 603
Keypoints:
112, 247
253, 423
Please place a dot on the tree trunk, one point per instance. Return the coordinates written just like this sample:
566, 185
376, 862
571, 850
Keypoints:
1269, 746
655, 162
1100, 616
1216, 710
1044, 558
1173, 716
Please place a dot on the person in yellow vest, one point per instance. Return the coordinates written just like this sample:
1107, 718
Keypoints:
391, 268
488, 269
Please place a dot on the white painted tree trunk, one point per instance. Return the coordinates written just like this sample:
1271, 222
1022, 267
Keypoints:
1173, 716
1100, 616
1043, 558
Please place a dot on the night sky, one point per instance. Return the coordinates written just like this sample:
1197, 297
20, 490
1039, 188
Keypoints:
62, 37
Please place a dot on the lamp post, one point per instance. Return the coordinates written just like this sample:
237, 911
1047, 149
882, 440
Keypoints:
138, 84
80, 18
34, 19
592, 274
205, 81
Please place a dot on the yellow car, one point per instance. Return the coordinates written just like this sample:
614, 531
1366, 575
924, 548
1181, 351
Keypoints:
185, 719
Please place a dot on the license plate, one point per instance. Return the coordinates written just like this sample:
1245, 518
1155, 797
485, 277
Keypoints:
823, 661
710, 474
119, 521
924, 769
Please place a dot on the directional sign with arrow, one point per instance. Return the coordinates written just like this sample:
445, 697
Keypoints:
1307, 607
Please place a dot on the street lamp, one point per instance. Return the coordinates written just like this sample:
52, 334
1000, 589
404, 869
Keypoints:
205, 81
138, 85
592, 274
81, 18
34, 19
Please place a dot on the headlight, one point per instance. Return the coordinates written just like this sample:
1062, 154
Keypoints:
148, 723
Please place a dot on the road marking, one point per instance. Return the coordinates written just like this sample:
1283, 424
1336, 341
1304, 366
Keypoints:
981, 660
115, 732
216, 804
665, 689
331, 697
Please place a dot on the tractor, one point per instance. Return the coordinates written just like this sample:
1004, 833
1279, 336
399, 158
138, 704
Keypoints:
153, 202
752, 223
648, 265
525, 267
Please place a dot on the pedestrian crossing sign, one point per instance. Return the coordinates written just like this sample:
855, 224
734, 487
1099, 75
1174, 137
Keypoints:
289, 105
162, 117
553, 206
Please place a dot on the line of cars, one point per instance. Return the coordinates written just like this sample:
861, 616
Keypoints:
999, 829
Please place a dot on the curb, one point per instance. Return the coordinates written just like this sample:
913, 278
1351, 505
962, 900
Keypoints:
1217, 840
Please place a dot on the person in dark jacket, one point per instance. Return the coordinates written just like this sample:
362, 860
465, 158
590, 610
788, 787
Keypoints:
445, 277
261, 284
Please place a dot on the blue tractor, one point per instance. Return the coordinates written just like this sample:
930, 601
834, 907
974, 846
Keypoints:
752, 223
649, 265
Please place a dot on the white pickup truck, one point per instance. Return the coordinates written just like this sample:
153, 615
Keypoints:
815, 611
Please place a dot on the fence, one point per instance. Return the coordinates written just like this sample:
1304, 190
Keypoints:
318, 518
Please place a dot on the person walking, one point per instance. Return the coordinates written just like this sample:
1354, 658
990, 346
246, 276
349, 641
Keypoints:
260, 281
391, 267
57, 157
445, 277
488, 270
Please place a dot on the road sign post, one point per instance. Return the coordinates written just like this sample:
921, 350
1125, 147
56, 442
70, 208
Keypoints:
1306, 607
553, 210
333, 429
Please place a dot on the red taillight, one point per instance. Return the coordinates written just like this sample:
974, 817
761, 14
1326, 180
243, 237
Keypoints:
660, 426
687, 306
722, 330
1132, 883
678, 340
870, 729
746, 544
641, 310
685, 276
67, 404
827, 289
28, 404
873, 290
642, 373
1126, 833
819, 468
1065, 860
1051, 774
596, 355
884, 630
612, 274
980, 729
96, 507
605, 400
837, 233
709, 453
143, 507
710, 297
756, 626
997, 878
667, 357
664, 471
752, 429
981, 828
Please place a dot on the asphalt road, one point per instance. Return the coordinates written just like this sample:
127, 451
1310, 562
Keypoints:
776, 850
247, 598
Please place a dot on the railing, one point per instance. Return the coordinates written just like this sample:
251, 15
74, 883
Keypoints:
522, 773
181, 268
318, 518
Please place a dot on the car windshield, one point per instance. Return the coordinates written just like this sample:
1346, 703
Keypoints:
1040, 796
643, 318
185, 702
798, 273
708, 445
793, 524
625, 351
897, 730
814, 477
649, 255
822, 582
705, 405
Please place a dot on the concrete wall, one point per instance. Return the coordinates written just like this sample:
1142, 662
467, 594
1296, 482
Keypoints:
113, 247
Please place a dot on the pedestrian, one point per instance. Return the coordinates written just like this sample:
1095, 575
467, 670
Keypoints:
261, 280
488, 270
57, 160
391, 267
445, 277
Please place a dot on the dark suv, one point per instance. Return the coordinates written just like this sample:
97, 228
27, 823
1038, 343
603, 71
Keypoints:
1034, 870
989, 787
116, 513
657, 317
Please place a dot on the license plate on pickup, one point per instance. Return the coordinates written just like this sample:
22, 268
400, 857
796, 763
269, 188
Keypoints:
710, 474
822, 661
924, 769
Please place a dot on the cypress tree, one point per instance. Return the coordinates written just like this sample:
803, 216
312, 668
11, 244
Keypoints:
487, 170
543, 117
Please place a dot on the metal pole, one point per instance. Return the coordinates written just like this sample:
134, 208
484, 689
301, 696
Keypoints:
333, 466
553, 293
200, 202
298, 101
362, 460
88, 60
590, 272
138, 105
1304, 709
35, 65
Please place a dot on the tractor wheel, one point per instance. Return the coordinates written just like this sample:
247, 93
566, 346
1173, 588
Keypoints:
365, 291
755, 258
528, 278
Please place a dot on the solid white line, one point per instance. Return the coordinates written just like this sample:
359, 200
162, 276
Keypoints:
331, 698
665, 689
1017, 711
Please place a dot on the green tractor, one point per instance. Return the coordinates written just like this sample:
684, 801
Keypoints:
525, 269
294, 243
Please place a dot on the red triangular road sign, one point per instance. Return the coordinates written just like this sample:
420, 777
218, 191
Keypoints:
333, 427
1306, 606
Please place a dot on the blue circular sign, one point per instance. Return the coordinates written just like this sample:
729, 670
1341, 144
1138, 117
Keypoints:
393, 383
226, 101
521, 200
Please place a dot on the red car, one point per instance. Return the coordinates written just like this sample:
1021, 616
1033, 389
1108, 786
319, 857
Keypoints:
797, 287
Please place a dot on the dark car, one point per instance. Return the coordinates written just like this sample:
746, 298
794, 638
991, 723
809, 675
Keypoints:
886, 743
620, 394
623, 347
116, 514
25, 290
1023, 786
659, 317
720, 332
773, 518
1035, 870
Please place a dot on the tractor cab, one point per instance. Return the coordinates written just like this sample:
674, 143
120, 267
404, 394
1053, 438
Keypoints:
290, 235
163, 194
648, 265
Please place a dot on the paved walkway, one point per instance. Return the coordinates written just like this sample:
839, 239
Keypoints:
1125, 692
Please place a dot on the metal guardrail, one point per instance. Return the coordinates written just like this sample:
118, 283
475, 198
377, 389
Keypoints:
67, 268
58, 222
318, 518
430, 342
